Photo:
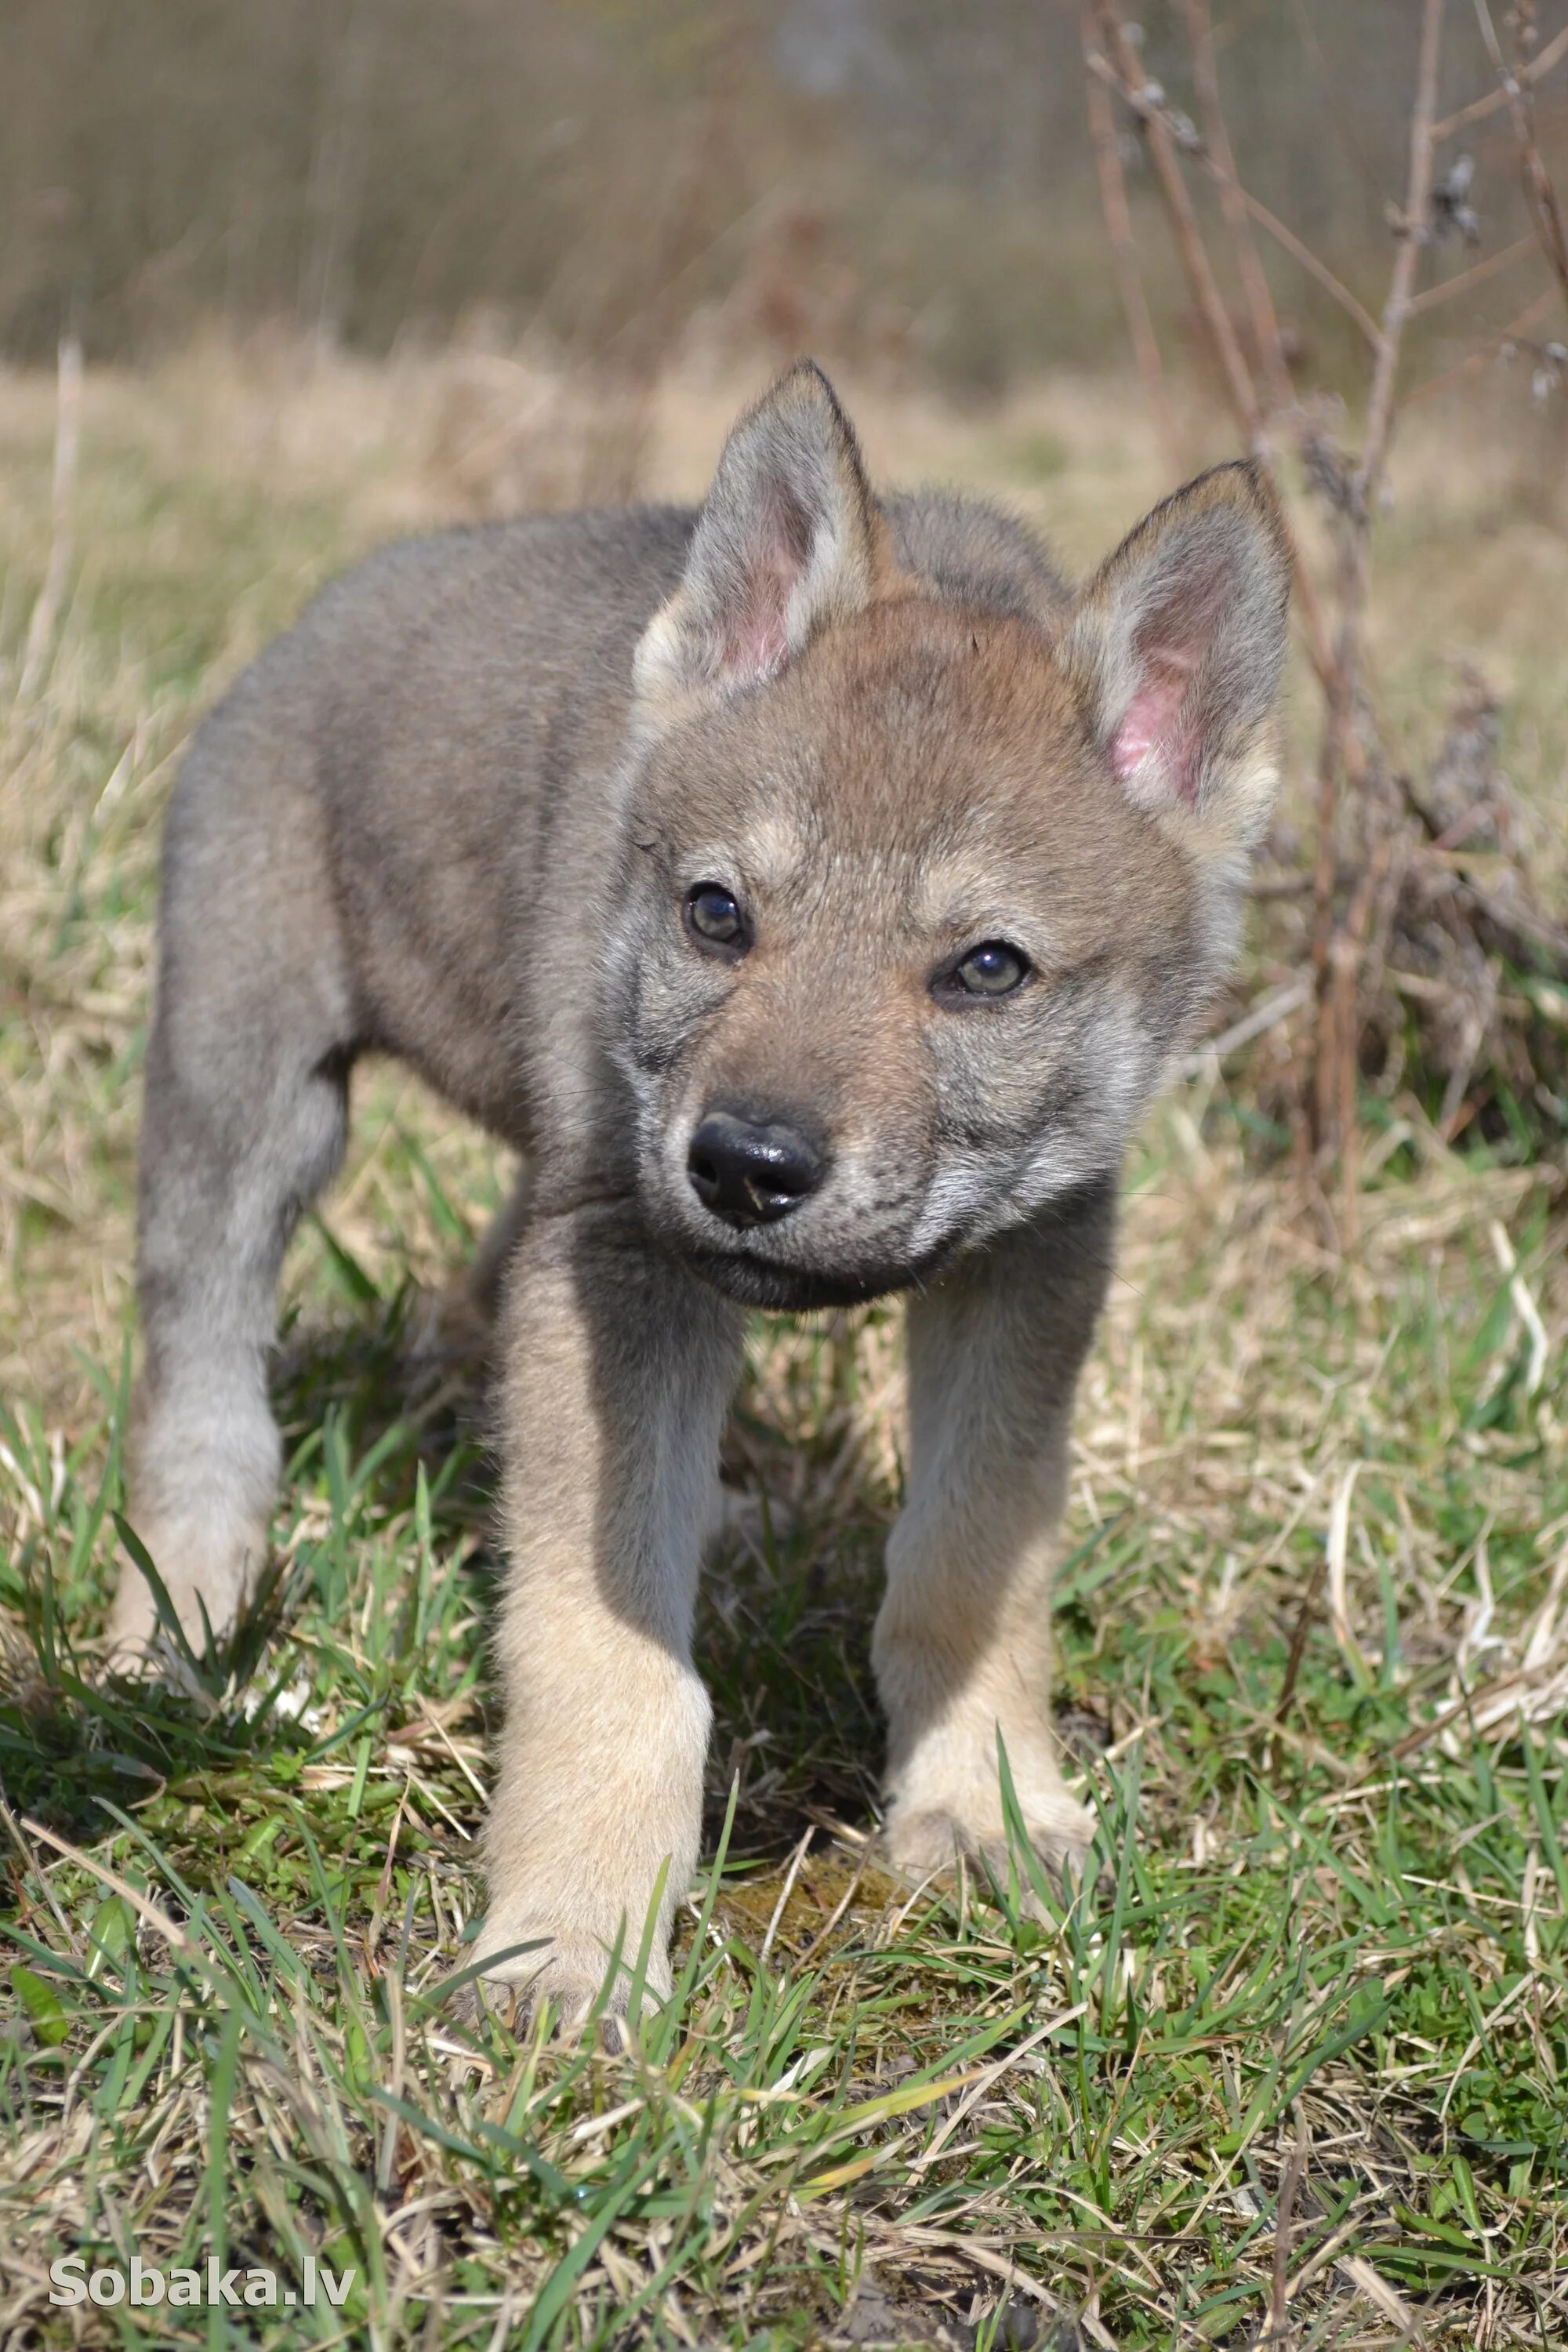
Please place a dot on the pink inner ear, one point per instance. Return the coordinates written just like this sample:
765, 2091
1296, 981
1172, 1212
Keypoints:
1154, 728
756, 633
755, 622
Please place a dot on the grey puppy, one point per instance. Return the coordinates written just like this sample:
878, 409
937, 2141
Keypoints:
813, 888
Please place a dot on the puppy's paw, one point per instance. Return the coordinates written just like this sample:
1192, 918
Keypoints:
208, 1585
565, 1976
926, 1840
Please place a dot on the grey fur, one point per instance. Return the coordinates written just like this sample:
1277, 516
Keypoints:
451, 816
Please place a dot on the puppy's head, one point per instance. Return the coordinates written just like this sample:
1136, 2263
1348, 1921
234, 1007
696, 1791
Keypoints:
920, 896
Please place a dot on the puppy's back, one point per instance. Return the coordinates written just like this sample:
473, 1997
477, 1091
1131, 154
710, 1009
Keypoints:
972, 553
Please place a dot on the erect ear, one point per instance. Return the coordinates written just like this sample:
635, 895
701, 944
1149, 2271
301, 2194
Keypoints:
788, 540
1176, 646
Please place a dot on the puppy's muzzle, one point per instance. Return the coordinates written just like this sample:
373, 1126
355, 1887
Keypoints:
750, 1171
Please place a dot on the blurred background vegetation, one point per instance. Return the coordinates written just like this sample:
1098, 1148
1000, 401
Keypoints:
895, 181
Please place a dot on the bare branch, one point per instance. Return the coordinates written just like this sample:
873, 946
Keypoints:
1282, 235
1371, 877
1233, 204
1480, 107
1127, 77
1540, 196
1408, 260
1468, 279
1336, 952
1123, 247
1299, 252
1239, 385
1517, 327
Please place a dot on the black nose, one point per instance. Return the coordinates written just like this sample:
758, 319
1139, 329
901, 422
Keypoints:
748, 1172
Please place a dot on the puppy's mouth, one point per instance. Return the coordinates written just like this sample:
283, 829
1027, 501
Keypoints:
779, 1263
752, 1280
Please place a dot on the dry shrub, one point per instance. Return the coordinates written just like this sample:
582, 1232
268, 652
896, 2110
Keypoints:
1431, 951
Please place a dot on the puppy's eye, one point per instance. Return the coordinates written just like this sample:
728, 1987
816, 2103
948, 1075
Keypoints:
993, 968
713, 917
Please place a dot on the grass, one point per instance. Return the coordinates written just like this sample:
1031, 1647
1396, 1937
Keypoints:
1291, 2070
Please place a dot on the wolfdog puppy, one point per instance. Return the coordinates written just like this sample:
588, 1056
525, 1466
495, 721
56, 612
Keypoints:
812, 888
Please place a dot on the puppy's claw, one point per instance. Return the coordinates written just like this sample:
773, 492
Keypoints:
929, 1841
563, 1989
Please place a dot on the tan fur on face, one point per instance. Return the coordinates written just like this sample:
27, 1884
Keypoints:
921, 780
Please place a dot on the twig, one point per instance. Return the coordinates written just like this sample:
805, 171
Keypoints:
1364, 853
1276, 1008
57, 572
1480, 107
172, 1934
1461, 1710
1299, 1639
786, 1891
1127, 77
1240, 209
1406, 261
336, 170
1540, 196
1284, 2213
834, 1916
1310, 261
1333, 1076
1250, 269
1240, 386
1467, 280
1370, 890
1257, 210
1517, 327
1124, 251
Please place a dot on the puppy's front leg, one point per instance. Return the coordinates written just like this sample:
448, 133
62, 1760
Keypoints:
619, 1367
962, 1643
